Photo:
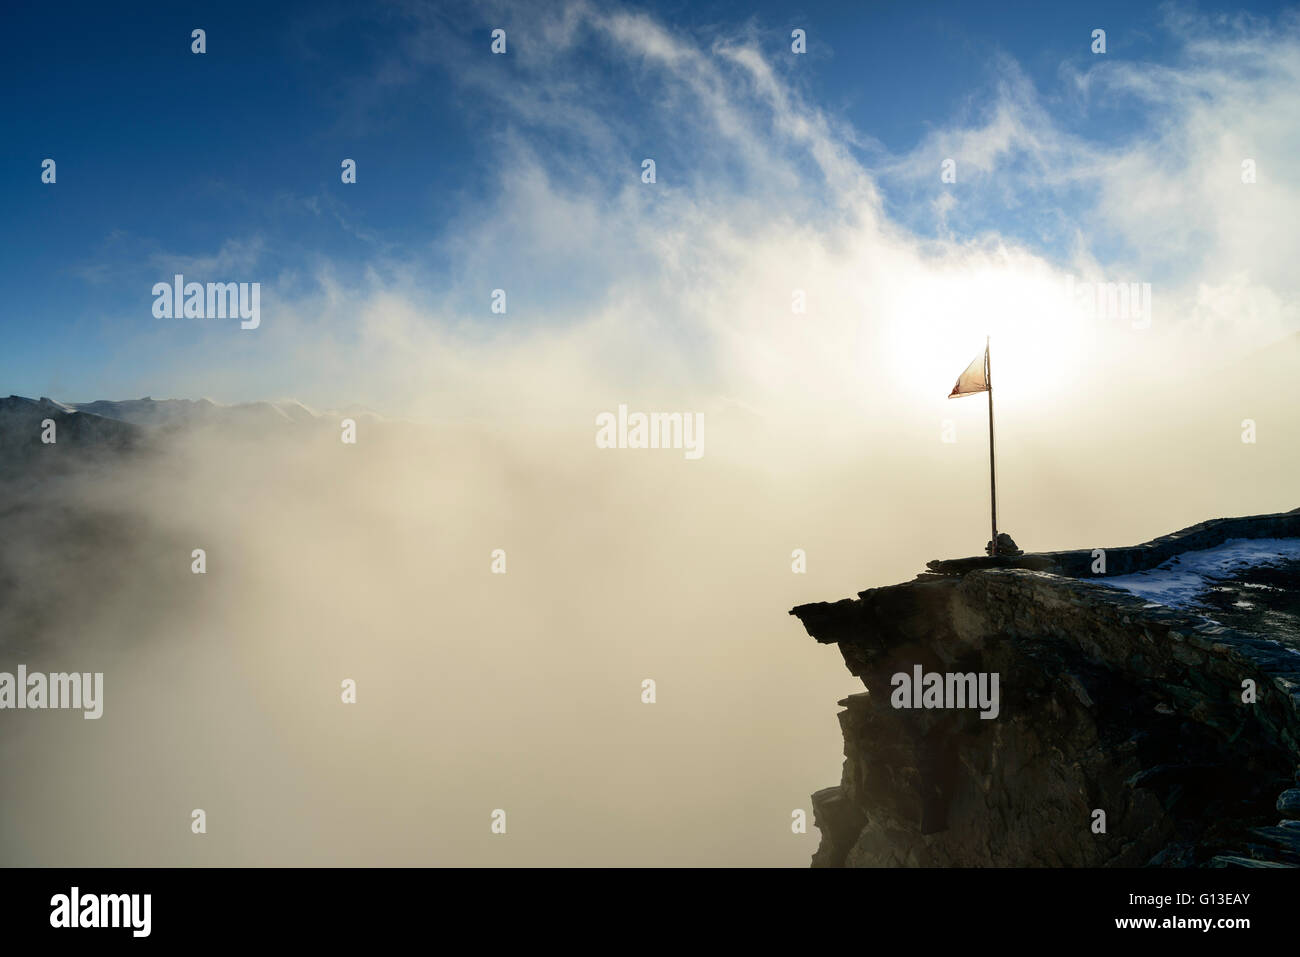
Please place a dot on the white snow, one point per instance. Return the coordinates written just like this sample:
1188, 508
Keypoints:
1178, 581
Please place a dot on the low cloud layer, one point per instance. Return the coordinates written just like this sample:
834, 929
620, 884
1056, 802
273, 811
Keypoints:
825, 432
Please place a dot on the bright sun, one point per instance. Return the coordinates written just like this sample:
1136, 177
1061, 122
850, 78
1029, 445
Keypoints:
1038, 337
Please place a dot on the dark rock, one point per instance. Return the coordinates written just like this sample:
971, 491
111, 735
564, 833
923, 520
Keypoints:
1006, 546
1282, 843
1078, 563
1180, 854
1229, 860
838, 819
1107, 702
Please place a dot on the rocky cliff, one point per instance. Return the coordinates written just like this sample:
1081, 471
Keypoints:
1128, 732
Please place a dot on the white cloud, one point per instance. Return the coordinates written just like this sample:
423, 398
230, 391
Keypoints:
686, 285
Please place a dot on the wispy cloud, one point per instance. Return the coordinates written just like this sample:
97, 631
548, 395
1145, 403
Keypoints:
761, 192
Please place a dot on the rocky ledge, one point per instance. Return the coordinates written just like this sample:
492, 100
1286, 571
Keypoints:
1128, 732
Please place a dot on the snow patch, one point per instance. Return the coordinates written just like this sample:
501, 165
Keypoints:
1177, 582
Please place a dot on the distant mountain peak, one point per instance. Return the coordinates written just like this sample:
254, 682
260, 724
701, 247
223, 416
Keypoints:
151, 414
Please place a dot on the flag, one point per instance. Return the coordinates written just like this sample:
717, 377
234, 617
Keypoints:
974, 379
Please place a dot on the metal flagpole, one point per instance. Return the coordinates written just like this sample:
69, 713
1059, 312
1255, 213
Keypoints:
993, 481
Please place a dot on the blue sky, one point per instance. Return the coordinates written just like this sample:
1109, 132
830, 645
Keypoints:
229, 161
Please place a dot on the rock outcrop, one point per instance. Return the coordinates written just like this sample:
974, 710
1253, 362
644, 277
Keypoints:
1128, 733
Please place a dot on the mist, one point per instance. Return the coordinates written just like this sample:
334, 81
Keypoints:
763, 283
522, 691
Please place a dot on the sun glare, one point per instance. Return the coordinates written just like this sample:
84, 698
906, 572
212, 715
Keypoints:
1037, 336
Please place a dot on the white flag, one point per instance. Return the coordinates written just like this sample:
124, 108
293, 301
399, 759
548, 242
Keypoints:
974, 379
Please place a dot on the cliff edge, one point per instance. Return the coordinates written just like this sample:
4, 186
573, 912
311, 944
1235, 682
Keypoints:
1102, 707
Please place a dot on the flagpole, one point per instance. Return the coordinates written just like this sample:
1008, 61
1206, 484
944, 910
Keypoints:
993, 481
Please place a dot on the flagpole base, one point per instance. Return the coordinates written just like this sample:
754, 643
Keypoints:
1006, 547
